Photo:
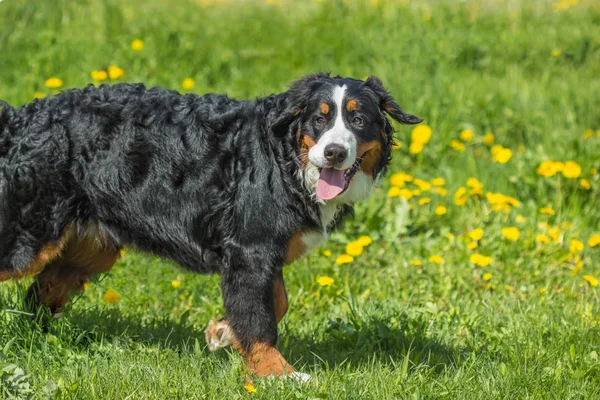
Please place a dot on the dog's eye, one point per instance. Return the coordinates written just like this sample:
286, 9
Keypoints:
357, 121
321, 120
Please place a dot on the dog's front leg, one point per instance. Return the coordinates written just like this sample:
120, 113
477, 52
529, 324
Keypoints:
249, 306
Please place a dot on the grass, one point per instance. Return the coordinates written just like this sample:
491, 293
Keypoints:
385, 328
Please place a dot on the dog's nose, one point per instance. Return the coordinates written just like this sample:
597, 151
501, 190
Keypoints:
335, 154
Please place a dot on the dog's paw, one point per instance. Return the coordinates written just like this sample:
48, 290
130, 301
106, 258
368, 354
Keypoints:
218, 334
300, 376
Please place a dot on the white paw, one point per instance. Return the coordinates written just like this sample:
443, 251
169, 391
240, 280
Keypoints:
57, 315
218, 334
300, 376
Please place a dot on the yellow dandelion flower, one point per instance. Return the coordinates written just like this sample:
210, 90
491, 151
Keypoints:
509, 288
39, 95
111, 296
424, 200
472, 245
86, 285
542, 239
397, 146
542, 290
547, 210
250, 388
176, 283
423, 185
400, 178
421, 134
548, 168
588, 133
594, 240
578, 265
488, 139
188, 83
122, 252
404, 193
327, 253
466, 135
354, 249
554, 233
456, 145
460, 197
449, 236
511, 233
591, 280
438, 181
555, 53
520, 219
53, 83
475, 185
441, 210
441, 191
99, 75
416, 263
325, 281
585, 184
487, 276
476, 234
594, 171
436, 259
137, 45
571, 170
344, 259
502, 156
576, 246
115, 72
480, 259
415, 148
364, 240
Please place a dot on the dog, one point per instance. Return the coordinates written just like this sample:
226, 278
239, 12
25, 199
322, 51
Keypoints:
238, 188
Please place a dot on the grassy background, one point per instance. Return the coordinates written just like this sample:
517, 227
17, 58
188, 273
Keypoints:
528, 71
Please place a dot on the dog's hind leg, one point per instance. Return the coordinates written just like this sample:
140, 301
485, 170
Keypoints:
218, 332
82, 257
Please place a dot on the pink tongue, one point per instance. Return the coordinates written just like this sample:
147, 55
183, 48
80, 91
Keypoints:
331, 183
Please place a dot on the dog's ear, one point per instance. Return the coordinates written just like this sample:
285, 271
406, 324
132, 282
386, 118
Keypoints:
296, 100
387, 103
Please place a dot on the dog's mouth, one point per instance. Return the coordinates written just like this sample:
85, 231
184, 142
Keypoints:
333, 182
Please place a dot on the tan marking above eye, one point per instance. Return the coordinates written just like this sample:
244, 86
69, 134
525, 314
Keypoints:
324, 108
352, 105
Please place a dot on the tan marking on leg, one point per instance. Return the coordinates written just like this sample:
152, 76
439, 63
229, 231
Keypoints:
264, 360
280, 299
324, 108
296, 248
352, 105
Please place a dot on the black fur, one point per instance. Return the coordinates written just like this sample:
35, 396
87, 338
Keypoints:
209, 182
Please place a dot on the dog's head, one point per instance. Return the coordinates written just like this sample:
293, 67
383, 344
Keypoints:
342, 132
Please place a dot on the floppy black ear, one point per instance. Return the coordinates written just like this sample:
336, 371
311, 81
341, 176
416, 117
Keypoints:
387, 103
297, 97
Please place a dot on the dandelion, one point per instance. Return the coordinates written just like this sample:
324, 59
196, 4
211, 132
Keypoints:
397, 146
550, 168
475, 185
39, 95
555, 53
456, 145
397, 192
594, 240
364, 240
547, 210
472, 245
502, 155
354, 249
424, 200
438, 181
86, 285
137, 45
571, 170
511, 233
440, 210
325, 281
542, 239
421, 134
585, 184
176, 283
449, 236
400, 178
188, 83
488, 139
466, 135
327, 253
415, 148
542, 290
115, 72
122, 252
99, 75
250, 388
480, 259
416, 263
591, 280
588, 133
487, 276
509, 288
554, 233
423, 185
441, 191
578, 265
344, 259
576, 246
476, 234
520, 219
53, 83
460, 197
111, 296
436, 259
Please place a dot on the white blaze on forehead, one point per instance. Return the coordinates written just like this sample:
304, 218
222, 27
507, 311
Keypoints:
338, 134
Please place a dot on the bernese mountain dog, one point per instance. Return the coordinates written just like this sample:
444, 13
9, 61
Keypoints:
238, 188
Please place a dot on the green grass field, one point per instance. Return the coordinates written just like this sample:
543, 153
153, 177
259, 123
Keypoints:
421, 312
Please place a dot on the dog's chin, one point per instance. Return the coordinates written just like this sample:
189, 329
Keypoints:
358, 188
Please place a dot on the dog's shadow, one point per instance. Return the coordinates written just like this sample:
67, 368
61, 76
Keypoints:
403, 343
